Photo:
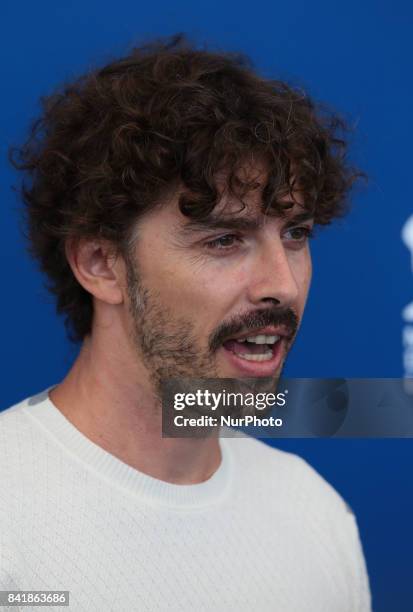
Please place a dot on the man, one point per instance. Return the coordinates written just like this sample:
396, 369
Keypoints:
172, 196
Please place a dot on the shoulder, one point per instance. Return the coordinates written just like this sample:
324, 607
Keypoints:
15, 429
15, 422
288, 491
23, 444
285, 476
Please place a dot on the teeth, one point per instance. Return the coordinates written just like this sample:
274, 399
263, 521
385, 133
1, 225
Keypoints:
262, 357
261, 339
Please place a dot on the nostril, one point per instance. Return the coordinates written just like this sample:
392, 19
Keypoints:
272, 300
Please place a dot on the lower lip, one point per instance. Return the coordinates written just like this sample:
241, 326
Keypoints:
257, 368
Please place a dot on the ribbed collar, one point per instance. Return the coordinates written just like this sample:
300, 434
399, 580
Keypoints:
46, 415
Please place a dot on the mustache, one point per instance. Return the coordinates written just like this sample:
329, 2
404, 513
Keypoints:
258, 318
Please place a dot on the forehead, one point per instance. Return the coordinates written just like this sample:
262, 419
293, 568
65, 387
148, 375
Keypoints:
244, 209
240, 209
246, 212
247, 219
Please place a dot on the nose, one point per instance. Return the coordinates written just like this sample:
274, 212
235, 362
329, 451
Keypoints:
272, 276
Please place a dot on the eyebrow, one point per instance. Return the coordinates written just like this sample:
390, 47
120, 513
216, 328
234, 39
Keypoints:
239, 223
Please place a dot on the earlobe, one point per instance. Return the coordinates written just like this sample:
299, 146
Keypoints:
96, 268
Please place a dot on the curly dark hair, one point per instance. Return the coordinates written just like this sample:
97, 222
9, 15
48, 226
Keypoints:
108, 145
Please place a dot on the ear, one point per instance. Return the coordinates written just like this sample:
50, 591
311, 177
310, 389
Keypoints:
97, 268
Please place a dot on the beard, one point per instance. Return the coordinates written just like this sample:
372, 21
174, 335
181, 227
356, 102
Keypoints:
170, 347
167, 343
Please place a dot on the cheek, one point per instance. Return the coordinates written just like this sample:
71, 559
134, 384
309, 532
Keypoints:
183, 288
218, 288
206, 297
229, 284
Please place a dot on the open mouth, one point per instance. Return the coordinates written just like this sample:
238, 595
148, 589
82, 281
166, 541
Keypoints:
255, 355
253, 348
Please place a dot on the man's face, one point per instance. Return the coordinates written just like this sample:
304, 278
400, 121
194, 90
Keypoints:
197, 291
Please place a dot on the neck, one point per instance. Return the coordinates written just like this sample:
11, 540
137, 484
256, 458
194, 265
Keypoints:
107, 397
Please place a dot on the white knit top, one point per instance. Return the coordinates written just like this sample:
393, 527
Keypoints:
264, 533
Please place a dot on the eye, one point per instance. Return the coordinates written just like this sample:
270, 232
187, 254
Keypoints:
223, 243
299, 234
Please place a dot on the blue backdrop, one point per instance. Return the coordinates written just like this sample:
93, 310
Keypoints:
356, 56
